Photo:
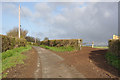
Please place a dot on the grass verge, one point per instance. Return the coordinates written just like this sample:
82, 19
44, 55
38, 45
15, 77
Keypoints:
113, 60
59, 49
12, 57
102, 47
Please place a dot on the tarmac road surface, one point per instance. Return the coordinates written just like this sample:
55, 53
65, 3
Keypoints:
52, 67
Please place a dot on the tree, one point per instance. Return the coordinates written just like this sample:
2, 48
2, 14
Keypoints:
46, 38
32, 39
14, 32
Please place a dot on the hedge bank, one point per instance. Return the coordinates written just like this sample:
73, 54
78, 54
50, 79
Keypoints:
113, 54
63, 42
11, 42
114, 46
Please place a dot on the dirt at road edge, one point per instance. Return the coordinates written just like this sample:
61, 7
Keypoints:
90, 62
27, 69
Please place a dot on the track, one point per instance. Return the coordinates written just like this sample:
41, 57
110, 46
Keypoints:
52, 66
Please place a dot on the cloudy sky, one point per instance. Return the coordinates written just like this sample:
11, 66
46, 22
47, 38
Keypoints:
90, 21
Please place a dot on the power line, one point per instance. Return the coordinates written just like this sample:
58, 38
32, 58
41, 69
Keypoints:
22, 12
26, 22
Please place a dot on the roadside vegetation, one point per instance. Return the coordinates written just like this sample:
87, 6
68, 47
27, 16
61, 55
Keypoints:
58, 49
102, 47
113, 60
113, 54
12, 57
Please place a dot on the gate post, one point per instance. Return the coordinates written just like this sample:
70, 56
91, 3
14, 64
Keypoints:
93, 44
79, 44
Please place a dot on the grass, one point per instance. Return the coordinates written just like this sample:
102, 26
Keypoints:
12, 57
58, 49
102, 47
113, 60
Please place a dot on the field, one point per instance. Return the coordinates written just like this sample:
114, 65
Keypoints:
59, 49
102, 47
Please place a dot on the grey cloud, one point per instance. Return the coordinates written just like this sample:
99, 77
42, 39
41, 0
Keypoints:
89, 21
92, 22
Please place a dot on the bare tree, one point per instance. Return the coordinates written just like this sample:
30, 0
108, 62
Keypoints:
46, 38
14, 33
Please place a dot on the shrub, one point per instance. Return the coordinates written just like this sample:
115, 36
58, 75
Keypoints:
11, 42
114, 47
113, 60
113, 54
20, 42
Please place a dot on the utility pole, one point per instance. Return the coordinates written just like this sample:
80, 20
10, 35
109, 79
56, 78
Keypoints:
79, 44
19, 22
35, 38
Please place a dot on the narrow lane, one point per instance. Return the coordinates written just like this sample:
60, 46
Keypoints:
52, 66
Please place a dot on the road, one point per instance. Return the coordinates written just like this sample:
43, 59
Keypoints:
52, 67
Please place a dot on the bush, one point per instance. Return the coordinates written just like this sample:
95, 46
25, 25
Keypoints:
113, 60
11, 42
114, 47
20, 42
113, 54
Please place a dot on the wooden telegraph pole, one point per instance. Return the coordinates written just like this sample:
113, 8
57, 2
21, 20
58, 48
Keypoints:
35, 37
19, 22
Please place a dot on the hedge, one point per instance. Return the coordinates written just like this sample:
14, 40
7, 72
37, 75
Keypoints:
63, 42
114, 46
11, 42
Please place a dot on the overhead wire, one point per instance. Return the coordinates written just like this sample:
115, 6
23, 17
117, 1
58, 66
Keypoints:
26, 21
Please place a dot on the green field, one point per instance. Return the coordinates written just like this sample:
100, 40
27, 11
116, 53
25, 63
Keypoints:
59, 49
102, 47
12, 57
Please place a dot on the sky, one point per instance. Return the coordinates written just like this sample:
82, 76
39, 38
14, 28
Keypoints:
90, 21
